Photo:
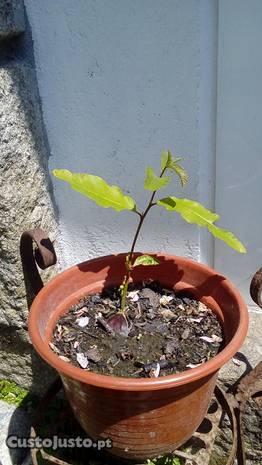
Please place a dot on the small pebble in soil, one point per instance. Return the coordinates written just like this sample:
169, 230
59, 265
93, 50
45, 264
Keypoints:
161, 333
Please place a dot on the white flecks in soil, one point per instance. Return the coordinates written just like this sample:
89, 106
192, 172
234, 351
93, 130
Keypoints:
161, 333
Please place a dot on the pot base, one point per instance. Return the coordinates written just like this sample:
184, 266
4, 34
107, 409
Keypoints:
140, 425
143, 417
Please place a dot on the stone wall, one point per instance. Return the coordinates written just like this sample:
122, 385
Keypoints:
25, 193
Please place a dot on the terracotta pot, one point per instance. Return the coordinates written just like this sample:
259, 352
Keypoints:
143, 417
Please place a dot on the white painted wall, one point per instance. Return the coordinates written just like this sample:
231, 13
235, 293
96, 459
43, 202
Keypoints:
120, 81
239, 136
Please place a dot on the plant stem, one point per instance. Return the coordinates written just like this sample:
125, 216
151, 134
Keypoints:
124, 291
142, 218
126, 280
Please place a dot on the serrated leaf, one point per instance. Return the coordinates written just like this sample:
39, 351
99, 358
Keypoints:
96, 189
181, 172
153, 182
194, 212
145, 260
169, 162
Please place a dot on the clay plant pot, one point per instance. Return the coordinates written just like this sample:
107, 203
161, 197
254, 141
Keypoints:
143, 417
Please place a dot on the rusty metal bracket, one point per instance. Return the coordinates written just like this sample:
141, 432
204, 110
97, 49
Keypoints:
35, 249
249, 387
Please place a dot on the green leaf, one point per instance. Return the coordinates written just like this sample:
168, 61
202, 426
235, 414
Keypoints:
96, 189
169, 162
194, 212
181, 172
228, 237
153, 182
166, 159
190, 210
145, 260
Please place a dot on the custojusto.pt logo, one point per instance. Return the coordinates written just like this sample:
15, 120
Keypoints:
55, 442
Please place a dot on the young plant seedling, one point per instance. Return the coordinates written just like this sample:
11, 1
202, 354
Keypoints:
96, 189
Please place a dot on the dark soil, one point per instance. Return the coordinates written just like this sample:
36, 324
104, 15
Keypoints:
164, 333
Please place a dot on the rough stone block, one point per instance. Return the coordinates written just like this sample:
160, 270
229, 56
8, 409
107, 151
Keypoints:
12, 19
25, 203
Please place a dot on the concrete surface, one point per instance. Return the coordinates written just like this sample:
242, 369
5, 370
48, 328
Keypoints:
251, 349
12, 421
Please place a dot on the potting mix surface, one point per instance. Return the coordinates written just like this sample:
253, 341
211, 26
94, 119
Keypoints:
162, 333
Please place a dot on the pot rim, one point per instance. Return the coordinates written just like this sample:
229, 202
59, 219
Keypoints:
137, 384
